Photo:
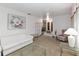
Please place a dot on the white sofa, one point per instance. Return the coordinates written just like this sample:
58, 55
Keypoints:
13, 42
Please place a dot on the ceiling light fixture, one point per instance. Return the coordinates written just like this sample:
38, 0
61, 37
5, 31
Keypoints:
48, 19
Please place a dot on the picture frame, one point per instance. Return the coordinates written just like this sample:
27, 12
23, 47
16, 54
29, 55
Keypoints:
16, 22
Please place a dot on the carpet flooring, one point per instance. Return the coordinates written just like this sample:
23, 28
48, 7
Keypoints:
54, 47
45, 46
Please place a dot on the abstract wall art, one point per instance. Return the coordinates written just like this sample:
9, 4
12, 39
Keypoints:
16, 22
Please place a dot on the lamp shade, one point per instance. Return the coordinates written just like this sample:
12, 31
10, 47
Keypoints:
71, 31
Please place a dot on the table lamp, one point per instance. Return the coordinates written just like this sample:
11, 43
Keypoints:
71, 39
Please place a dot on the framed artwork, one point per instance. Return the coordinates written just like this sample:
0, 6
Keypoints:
16, 22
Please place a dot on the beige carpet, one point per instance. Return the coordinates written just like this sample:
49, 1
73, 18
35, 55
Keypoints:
54, 47
45, 46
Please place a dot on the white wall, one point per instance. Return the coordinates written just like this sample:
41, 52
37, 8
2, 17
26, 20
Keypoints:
76, 26
13, 35
61, 22
30, 22
32, 25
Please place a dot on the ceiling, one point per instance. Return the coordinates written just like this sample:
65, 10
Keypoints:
40, 9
